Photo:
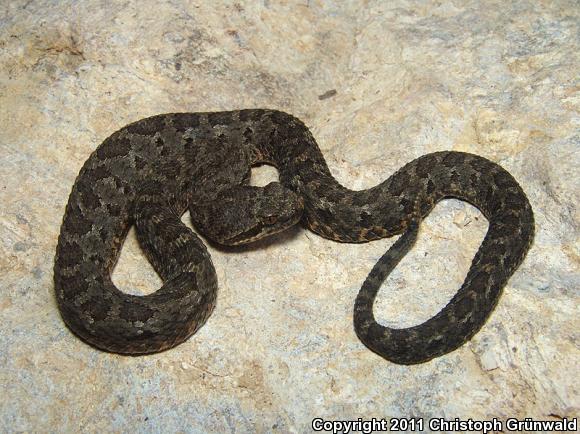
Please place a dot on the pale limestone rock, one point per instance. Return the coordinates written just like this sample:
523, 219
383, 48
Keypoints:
495, 78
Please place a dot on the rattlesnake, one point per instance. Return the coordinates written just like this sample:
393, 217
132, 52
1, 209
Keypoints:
149, 172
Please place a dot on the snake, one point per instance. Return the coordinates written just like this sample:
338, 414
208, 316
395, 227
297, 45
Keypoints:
150, 172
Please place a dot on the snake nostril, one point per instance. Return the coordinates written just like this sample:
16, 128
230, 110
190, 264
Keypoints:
270, 220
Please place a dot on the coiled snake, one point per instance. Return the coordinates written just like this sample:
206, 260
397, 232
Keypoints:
149, 172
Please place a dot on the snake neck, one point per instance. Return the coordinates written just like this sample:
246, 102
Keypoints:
331, 210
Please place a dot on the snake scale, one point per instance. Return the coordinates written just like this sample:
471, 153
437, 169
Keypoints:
150, 172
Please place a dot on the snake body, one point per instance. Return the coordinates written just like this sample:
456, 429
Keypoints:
149, 172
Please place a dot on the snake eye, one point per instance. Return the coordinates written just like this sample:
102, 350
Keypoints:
271, 219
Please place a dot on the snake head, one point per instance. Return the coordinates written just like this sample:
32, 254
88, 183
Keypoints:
244, 214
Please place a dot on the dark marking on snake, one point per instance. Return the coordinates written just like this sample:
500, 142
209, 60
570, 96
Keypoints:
150, 172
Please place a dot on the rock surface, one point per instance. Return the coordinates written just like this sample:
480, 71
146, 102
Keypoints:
379, 83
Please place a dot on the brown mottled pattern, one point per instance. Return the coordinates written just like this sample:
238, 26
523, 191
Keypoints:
148, 173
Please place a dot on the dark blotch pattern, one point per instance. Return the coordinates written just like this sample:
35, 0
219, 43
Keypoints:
121, 148
184, 121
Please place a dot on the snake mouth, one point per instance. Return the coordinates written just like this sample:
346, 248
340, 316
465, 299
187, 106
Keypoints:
263, 230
